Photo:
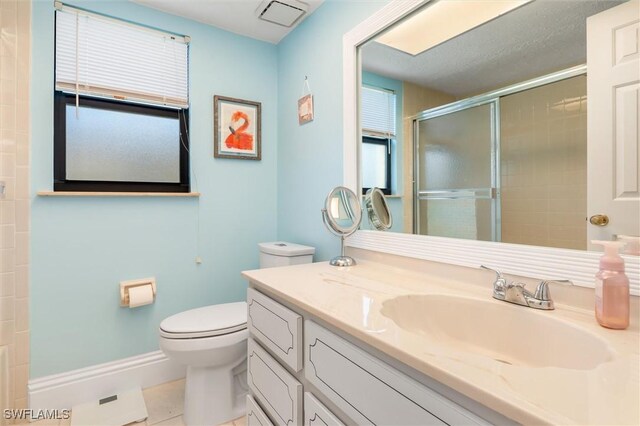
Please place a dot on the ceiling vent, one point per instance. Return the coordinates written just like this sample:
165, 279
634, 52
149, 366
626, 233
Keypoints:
281, 12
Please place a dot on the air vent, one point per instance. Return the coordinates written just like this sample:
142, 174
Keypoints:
281, 12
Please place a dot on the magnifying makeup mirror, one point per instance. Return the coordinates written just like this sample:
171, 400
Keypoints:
378, 210
342, 215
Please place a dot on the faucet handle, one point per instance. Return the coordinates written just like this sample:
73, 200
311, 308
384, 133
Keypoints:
500, 283
542, 291
499, 274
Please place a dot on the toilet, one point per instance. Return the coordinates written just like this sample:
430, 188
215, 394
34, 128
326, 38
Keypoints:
212, 342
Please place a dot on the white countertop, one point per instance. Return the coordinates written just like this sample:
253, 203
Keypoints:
351, 299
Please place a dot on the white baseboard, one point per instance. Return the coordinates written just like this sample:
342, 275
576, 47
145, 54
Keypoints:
62, 391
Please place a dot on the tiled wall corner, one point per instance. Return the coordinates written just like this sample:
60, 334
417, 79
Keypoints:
15, 46
544, 165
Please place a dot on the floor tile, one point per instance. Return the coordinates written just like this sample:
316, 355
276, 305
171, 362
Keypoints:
175, 421
164, 402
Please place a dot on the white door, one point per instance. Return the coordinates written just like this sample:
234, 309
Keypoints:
613, 137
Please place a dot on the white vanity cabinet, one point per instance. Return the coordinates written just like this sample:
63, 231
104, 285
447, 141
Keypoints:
279, 329
333, 374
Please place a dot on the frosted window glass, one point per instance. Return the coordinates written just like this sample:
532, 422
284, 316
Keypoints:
455, 150
374, 165
105, 145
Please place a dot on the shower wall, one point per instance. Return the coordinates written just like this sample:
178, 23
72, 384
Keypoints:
543, 160
15, 42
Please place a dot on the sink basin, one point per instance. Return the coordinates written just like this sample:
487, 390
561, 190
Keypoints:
507, 333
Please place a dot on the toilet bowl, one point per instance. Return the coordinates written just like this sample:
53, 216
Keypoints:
212, 343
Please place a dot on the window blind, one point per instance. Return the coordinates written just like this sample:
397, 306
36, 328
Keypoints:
106, 57
378, 112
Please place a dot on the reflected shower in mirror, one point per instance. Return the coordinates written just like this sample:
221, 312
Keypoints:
479, 130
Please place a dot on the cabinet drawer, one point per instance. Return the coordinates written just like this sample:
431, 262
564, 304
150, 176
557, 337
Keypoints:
277, 391
279, 329
255, 415
368, 390
316, 414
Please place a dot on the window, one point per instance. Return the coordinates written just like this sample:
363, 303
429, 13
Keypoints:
376, 161
378, 130
121, 119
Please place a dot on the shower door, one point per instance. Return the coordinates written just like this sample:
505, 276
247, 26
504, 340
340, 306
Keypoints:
456, 186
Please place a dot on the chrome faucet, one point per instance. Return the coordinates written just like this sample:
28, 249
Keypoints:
517, 293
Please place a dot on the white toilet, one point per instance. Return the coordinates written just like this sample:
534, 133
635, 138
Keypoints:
212, 342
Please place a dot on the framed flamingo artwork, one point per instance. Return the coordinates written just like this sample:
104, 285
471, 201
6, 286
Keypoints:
236, 128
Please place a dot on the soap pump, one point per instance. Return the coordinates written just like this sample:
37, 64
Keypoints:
612, 288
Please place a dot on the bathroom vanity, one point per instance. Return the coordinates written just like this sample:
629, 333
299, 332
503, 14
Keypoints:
415, 342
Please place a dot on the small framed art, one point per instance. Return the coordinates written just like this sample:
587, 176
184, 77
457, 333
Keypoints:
237, 128
305, 109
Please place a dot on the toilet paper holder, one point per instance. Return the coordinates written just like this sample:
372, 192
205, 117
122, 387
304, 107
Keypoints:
125, 286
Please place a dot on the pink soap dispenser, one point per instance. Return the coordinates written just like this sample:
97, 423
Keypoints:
612, 288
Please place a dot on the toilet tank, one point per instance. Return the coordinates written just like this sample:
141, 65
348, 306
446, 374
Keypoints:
280, 253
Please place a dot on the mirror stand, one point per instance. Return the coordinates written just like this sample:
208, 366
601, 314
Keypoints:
342, 260
342, 215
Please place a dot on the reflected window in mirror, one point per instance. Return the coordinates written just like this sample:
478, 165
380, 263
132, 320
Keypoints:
380, 115
376, 164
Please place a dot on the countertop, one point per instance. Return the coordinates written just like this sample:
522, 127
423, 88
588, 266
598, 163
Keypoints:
351, 299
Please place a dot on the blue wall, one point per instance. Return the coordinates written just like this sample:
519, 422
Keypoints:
82, 247
310, 156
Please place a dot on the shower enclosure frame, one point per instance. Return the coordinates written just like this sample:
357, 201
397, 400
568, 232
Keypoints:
492, 193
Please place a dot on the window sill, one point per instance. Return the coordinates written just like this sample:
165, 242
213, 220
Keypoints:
388, 196
115, 194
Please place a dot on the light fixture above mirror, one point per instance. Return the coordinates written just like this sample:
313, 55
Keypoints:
441, 21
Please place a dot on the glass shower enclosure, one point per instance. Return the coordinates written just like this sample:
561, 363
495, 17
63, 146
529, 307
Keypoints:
456, 171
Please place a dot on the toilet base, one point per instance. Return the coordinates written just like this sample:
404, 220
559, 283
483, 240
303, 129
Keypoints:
214, 396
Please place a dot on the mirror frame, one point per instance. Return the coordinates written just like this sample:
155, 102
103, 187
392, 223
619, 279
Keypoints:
529, 261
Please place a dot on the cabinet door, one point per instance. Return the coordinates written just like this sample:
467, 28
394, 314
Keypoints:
255, 415
316, 414
278, 328
271, 384
368, 390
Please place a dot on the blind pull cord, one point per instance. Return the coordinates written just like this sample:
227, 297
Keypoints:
77, 65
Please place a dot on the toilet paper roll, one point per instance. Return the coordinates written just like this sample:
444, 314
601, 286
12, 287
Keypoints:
140, 296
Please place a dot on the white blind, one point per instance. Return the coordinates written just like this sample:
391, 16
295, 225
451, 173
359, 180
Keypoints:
378, 112
100, 56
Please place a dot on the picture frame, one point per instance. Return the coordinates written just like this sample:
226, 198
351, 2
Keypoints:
305, 109
237, 128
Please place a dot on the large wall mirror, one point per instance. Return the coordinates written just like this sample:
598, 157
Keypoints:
479, 121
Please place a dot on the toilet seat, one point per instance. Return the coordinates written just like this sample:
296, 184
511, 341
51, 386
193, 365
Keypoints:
208, 321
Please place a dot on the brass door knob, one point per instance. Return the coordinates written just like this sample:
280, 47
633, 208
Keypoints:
599, 220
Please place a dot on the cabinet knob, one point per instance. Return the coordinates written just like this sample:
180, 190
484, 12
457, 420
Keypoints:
599, 220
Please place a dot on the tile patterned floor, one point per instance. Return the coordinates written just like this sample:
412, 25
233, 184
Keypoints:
164, 405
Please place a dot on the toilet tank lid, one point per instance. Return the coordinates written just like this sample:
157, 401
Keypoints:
281, 248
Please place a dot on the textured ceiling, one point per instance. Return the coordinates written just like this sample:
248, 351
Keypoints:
536, 39
237, 16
